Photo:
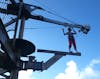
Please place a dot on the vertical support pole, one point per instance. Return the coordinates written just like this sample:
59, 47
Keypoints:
16, 25
21, 31
14, 74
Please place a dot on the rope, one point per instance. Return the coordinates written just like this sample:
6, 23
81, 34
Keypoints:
42, 28
55, 13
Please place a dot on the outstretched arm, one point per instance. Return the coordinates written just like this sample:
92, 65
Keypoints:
74, 32
64, 32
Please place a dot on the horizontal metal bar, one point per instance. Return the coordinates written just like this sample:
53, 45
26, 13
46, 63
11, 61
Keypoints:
58, 52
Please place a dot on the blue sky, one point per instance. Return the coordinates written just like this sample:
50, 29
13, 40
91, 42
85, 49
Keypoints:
50, 36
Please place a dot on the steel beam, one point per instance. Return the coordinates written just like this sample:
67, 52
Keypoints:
58, 52
5, 42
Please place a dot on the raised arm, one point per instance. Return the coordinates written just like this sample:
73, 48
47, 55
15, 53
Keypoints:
64, 32
74, 32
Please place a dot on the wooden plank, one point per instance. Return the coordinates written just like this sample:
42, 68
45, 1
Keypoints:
51, 51
58, 52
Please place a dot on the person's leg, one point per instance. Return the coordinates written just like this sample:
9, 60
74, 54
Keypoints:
74, 44
70, 45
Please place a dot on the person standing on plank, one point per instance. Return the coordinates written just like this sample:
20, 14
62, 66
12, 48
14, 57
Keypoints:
71, 38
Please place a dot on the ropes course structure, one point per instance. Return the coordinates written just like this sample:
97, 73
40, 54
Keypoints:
13, 49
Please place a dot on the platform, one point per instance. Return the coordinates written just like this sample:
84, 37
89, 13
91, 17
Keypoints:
59, 52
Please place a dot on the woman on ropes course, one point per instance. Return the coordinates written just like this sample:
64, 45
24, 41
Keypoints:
71, 38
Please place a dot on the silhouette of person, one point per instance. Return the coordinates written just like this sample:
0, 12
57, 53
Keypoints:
71, 38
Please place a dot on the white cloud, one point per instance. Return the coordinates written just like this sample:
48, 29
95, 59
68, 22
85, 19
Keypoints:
26, 74
94, 62
72, 71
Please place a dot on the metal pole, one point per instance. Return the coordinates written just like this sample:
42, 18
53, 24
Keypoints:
16, 25
14, 74
21, 31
